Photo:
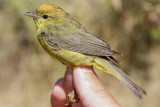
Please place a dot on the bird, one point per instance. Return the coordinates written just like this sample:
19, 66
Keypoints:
64, 39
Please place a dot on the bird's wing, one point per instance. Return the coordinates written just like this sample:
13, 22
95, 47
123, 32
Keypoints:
80, 42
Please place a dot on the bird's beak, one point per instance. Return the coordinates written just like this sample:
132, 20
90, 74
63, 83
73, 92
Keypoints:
31, 14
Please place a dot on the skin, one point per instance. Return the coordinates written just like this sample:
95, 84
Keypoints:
91, 94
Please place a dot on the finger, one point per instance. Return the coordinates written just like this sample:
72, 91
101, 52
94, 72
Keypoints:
69, 86
58, 96
68, 81
91, 91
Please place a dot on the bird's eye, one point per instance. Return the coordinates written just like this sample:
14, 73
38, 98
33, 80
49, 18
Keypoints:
45, 16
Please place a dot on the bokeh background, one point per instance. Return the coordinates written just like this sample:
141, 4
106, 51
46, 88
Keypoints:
132, 27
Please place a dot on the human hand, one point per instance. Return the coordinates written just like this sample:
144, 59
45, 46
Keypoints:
90, 90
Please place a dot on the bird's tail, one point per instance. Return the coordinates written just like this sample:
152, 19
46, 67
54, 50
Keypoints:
105, 65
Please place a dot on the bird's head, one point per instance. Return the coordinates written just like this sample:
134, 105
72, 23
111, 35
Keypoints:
48, 15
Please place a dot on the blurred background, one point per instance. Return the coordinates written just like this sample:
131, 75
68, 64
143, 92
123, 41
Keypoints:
132, 27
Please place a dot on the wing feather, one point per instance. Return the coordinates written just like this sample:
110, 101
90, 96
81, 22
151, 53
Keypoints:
82, 42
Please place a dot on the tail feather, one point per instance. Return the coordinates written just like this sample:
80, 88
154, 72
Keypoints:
119, 74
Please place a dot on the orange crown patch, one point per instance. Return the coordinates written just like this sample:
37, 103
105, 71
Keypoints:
48, 8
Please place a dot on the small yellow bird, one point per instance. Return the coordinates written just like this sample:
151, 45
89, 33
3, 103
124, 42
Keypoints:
66, 40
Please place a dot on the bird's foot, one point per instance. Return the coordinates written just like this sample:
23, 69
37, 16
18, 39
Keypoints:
72, 98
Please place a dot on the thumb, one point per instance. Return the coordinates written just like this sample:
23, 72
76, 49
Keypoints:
90, 90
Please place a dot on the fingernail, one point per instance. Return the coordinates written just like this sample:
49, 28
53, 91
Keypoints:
83, 69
